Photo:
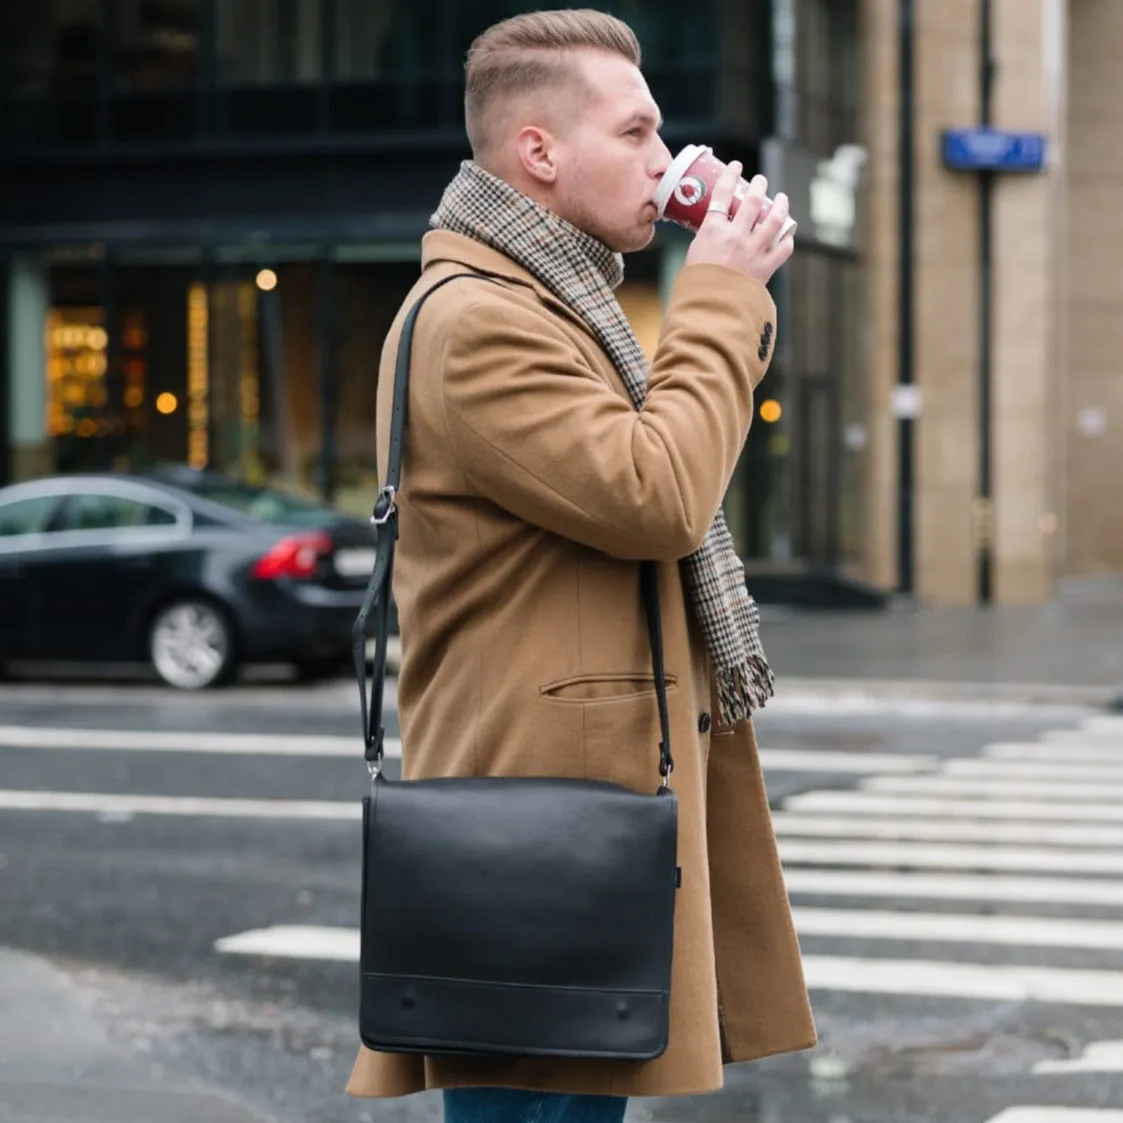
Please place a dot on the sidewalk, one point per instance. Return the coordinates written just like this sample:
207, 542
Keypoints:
1069, 650
57, 1064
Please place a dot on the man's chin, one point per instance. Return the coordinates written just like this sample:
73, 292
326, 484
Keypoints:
639, 240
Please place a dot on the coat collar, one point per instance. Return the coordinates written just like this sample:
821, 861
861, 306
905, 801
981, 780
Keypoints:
445, 246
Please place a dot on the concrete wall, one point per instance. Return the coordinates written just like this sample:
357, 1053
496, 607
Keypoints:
1025, 310
1092, 464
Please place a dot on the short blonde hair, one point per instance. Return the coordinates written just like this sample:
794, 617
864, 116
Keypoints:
531, 51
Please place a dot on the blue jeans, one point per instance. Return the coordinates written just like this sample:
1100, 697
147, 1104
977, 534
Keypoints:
508, 1105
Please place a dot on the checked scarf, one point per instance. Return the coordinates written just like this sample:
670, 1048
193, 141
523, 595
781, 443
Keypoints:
582, 272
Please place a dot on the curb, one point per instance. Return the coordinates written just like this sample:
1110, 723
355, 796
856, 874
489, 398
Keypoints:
946, 690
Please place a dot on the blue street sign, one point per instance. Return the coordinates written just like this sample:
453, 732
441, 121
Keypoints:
993, 150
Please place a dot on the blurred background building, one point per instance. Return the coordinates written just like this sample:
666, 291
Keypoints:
211, 210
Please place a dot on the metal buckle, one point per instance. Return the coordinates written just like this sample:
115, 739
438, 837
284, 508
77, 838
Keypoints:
388, 493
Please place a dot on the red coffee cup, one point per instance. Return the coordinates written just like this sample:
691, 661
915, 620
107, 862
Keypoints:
686, 190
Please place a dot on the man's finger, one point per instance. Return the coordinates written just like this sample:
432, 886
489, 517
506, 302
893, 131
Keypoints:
773, 222
722, 198
749, 210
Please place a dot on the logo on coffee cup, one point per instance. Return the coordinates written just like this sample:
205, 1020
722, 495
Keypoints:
691, 190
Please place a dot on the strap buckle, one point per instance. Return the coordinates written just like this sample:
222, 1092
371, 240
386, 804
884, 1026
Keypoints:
384, 506
666, 765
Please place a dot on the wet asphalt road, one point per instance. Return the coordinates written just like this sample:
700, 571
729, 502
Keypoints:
132, 905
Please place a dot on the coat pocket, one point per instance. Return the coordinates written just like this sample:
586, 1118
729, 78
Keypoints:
621, 737
603, 687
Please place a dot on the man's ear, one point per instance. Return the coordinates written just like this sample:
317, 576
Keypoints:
535, 147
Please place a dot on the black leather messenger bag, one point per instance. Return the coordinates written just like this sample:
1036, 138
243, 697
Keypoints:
508, 915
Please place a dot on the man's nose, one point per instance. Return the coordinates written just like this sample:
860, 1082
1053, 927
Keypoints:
662, 159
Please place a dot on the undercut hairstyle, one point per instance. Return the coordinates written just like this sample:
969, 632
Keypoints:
530, 52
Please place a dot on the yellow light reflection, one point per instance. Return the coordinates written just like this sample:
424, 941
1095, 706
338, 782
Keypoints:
167, 403
198, 376
771, 411
134, 395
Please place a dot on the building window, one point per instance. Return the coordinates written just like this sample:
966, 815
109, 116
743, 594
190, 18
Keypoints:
268, 41
49, 59
268, 63
815, 63
157, 43
393, 66
155, 64
52, 48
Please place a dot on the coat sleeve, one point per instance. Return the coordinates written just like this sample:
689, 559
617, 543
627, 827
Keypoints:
540, 433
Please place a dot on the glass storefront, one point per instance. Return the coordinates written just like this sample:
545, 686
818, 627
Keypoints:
799, 488
262, 362
229, 365
161, 70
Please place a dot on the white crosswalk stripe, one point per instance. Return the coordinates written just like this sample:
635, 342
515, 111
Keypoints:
953, 880
1058, 1115
1017, 852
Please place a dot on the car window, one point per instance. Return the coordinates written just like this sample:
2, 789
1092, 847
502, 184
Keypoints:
260, 503
111, 512
26, 516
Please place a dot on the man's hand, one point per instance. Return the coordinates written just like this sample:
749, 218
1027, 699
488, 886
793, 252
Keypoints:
736, 242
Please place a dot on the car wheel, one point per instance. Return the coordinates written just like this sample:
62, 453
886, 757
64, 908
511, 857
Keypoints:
191, 645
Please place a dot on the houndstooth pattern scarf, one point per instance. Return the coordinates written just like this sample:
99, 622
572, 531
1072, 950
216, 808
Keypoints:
583, 272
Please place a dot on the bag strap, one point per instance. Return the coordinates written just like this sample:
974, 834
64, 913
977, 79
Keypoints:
379, 587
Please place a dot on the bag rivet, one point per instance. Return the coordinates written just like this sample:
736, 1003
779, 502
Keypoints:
621, 1010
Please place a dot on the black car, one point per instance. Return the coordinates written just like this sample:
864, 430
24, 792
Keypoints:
193, 571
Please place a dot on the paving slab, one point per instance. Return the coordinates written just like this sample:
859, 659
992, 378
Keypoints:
57, 1064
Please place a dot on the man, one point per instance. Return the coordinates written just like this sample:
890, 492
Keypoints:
543, 463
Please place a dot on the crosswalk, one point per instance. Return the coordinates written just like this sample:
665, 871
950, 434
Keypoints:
994, 879
964, 879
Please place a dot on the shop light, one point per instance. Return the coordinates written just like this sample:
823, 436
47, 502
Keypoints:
266, 280
198, 377
167, 403
771, 411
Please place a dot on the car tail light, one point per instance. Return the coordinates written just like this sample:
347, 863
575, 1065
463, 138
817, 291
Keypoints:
296, 556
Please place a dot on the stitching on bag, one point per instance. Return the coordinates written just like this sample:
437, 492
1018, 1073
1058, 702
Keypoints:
507, 986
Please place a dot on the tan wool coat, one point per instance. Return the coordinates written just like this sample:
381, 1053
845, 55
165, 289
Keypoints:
531, 489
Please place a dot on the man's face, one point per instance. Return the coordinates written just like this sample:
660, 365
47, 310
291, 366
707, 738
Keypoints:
610, 159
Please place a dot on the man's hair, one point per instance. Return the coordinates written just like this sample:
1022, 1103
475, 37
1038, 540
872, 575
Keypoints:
531, 51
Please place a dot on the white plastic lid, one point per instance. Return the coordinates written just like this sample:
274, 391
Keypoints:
675, 173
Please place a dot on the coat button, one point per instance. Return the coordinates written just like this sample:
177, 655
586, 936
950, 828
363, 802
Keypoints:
704, 723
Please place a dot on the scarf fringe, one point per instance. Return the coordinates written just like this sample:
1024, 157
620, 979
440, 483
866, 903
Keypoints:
743, 689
